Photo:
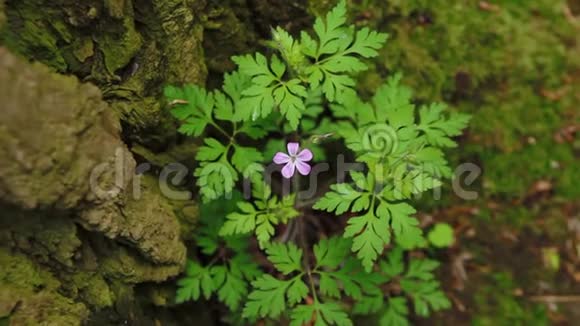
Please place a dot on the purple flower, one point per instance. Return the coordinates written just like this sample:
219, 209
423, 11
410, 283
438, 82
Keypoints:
294, 160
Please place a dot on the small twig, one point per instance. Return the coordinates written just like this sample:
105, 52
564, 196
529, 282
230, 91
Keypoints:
555, 95
175, 102
458, 304
573, 20
555, 298
486, 6
289, 233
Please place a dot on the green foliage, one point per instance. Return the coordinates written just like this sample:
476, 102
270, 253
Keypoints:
221, 162
441, 235
268, 90
337, 51
338, 276
261, 217
193, 106
395, 313
403, 158
228, 281
314, 64
438, 130
325, 313
227, 277
307, 89
496, 304
190, 287
419, 284
272, 296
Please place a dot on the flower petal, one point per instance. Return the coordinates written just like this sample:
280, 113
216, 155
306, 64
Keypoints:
281, 158
288, 170
305, 155
293, 148
303, 168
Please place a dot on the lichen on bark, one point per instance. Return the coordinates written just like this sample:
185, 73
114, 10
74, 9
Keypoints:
130, 49
29, 295
68, 205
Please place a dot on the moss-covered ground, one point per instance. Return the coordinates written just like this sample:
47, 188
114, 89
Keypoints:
514, 65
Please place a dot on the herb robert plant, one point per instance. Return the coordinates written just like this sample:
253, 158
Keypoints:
301, 97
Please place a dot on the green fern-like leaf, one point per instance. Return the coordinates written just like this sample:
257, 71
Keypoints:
268, 299
339, 200
287, 258
338, 51
215, 179
196, 283
396, 313
370, 235
269, 89
261, 219
192, 105
438, 130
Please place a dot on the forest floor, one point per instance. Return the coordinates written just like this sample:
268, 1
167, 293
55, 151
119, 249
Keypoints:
514, 263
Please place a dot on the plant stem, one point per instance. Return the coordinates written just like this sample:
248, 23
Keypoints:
303, 244
220, 129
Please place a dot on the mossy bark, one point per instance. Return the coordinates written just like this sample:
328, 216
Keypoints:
129, 49
88, 237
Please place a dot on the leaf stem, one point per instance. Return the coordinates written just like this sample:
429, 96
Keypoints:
220, 129
303, 245
312, 288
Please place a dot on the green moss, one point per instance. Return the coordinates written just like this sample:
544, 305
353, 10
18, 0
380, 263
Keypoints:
188, 218
126, 266
517, 216
2, 14
46, 35
119, 43
433, 41
30, 35
227, 34
83, 49
320, 7
494, 65
48, 237
25, 284
51, 240
93, 289
495, 304
567, 184
116, 8
19, 271
513, 173
550, 224
131, 49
